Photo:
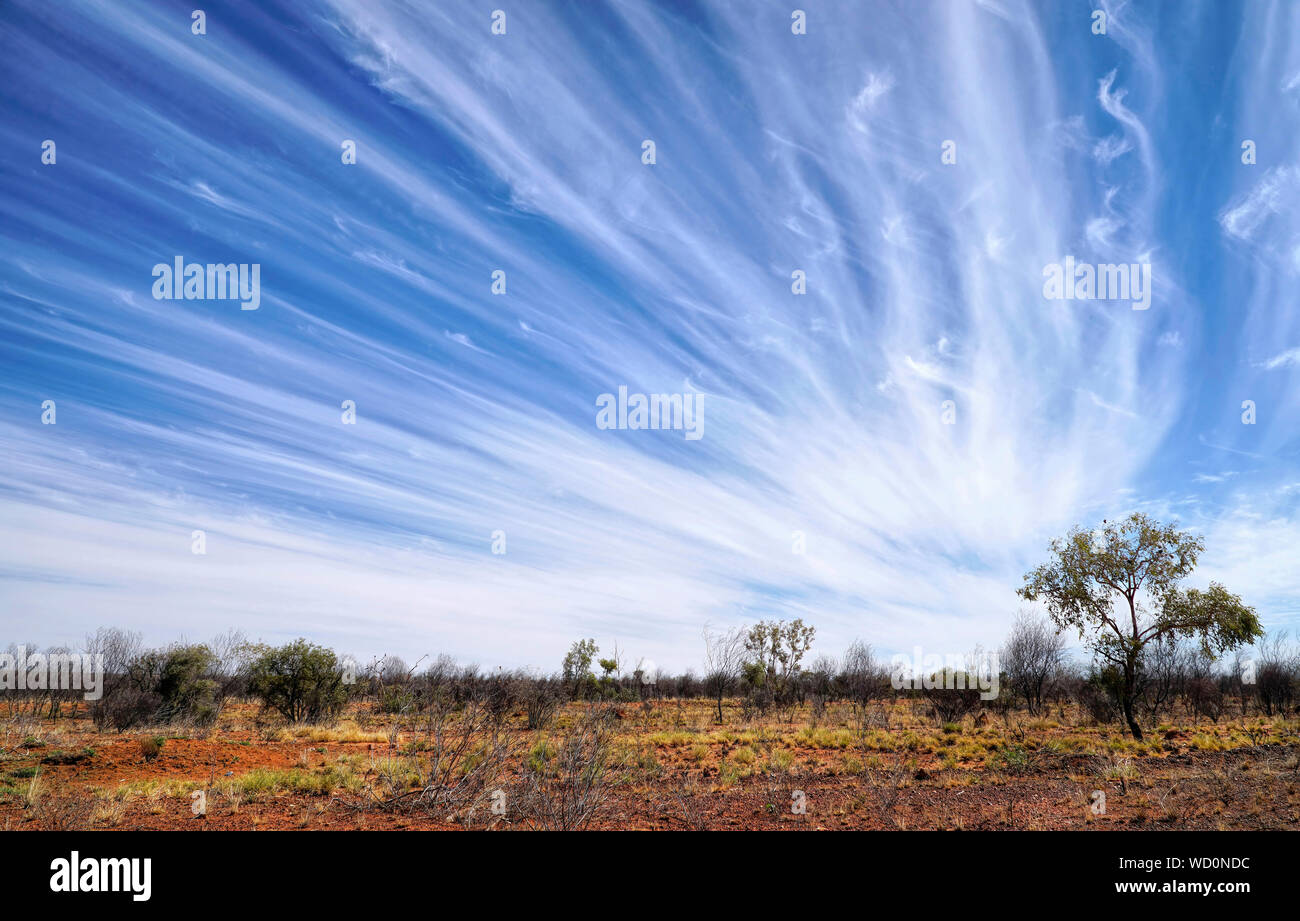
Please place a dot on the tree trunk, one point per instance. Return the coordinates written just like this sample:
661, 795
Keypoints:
1130, 683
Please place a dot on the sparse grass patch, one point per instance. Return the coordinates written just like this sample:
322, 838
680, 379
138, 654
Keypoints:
779, 761
319, 782
346, 732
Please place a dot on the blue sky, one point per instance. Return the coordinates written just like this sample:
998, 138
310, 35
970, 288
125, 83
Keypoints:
823, 412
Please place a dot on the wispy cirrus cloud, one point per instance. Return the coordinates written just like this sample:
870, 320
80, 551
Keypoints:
826, 413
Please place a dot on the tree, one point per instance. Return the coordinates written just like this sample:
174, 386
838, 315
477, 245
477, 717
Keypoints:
1119, 586
724, 654
300, 680
1031, 658
779, 647
577, 664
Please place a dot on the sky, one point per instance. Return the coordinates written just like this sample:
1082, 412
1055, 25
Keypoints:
920, 420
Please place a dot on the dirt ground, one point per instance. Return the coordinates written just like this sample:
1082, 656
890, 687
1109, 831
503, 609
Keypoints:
671, 766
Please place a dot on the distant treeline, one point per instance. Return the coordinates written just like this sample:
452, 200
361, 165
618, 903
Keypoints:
748, 672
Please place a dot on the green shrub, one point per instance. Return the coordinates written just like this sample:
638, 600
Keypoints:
188, 695
163, 686
301, 681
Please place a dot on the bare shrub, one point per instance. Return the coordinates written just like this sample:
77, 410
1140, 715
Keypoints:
450, 768
690, 805
121, 704
61, 813
889, 780
231, 656
951, 695
724, 654
1031, 659
1276, 674
565, 787
541, 698
865, 681
1203, 690
1163, 675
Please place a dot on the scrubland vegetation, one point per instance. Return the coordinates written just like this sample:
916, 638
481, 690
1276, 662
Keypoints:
1184, 717
291, 737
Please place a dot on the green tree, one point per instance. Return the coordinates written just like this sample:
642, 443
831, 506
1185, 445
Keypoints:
577, 664
779, 647
300, 680
1119, 586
